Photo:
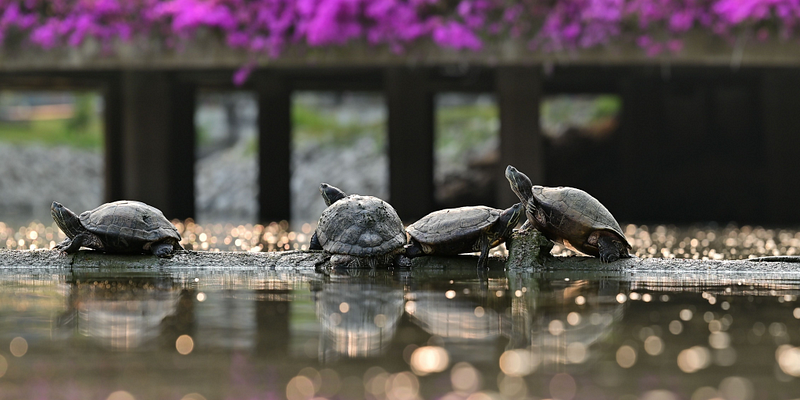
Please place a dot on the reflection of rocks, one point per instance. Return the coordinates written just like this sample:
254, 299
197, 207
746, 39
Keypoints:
360, 168
459, 183
33, 176
357, 319
226, 180
227, 186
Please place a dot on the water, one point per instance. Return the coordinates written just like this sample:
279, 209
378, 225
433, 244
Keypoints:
446, 331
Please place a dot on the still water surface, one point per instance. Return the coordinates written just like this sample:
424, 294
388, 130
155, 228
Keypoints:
445, 331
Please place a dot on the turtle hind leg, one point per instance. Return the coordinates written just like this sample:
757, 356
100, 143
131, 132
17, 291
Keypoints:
314, 244
611, 248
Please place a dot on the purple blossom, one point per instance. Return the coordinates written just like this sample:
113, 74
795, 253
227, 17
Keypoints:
455, 35
46, 35
330, 21
270, 26
241, 75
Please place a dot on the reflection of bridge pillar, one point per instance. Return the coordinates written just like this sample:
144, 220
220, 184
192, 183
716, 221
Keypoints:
157, 139
519, 92
274, 146
273, 318
411, 130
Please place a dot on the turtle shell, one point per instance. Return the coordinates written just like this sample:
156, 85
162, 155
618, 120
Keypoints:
453, 224
575, 213
129, 225
362, 226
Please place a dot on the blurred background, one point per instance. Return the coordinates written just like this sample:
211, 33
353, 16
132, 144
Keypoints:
52, 146
221, 116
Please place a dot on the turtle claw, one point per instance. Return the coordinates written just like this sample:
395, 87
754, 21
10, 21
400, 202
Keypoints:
62, 250
62, 247
608, 258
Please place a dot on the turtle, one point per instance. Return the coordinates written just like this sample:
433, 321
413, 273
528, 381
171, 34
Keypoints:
358, 231
124, 226
570, 216
461, 230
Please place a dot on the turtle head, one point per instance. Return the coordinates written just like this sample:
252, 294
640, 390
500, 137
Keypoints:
509, 219
520, 184
66, 220
331, 194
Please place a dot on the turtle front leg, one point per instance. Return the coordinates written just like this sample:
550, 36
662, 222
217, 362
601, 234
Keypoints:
525, 226
483, 259
69, 246
611, 249
414, 249
63, 245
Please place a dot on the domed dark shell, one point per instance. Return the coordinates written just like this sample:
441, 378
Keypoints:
123, 222
577, 205
362, 226
453, 224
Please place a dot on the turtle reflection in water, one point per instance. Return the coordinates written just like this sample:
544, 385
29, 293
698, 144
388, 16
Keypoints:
570, 216
358, 231
118, 227
462, 230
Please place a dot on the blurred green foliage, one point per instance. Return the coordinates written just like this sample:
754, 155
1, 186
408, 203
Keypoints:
465, 126
322, 125
84, 129
561, 112
458, 127
607, 106
461, 126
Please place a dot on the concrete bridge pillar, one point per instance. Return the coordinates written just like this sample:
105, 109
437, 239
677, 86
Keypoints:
411, 130
274, 146
781, 124
154, 115
519, 92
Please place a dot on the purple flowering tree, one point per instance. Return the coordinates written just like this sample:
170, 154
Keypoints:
271, 26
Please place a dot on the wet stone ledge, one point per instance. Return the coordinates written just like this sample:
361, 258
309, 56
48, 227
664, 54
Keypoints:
305, 261
302, 260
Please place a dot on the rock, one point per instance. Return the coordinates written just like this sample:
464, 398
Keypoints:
527, 249
35, 175
90, 259
649, 271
